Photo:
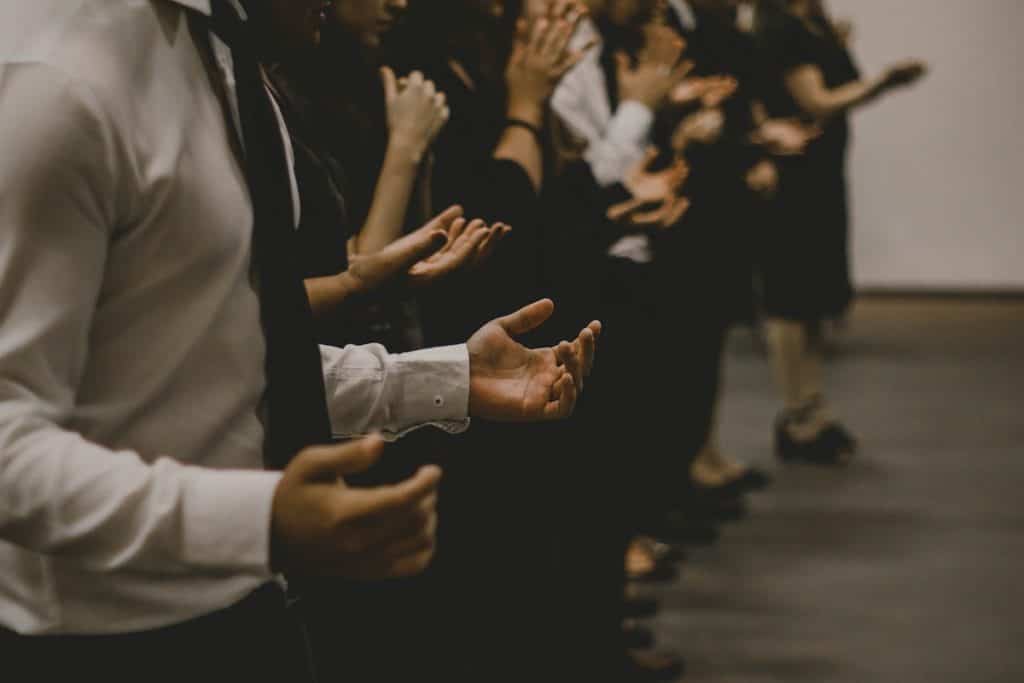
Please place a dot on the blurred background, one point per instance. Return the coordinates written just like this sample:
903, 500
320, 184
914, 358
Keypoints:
936, 177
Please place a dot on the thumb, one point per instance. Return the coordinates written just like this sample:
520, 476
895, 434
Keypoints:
444, 220
390, 84
650, 154
417, 245
528, 318
329, 463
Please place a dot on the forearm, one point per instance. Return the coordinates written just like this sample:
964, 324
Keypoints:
826, 103
108, 511
370, 390
329, 294
519, 145
391, 198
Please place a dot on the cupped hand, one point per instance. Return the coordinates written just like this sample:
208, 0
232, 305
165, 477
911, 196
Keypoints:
512, 383
320, 526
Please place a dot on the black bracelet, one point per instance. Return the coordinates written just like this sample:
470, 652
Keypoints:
519, 123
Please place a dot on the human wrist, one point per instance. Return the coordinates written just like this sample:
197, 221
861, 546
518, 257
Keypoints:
527, 111
404, 152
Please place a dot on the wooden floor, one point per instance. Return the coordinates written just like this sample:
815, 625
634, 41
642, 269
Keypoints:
909, 565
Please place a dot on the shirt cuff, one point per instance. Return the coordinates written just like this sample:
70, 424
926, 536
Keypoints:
227, 517
631, 125
434, 389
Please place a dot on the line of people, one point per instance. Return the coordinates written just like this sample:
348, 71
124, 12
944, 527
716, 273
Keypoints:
245, 234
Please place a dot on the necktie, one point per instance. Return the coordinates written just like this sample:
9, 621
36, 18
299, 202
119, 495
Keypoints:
296, 405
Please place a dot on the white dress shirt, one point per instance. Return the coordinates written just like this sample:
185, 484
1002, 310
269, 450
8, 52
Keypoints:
615, 141
131, 354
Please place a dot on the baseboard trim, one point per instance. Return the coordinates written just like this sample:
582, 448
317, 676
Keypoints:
922, 293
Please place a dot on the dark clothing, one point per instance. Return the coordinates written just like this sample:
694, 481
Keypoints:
259, 640
805, 261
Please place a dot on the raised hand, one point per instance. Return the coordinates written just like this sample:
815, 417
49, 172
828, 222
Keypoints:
710, 91
541, 57
320, 526
704, 127
511, 383
416, 112
655, 200
785, 137
904, 73
657, 69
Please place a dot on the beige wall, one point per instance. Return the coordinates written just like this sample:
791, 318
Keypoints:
938, 172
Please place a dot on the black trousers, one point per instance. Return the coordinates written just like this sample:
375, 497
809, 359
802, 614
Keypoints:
257, 639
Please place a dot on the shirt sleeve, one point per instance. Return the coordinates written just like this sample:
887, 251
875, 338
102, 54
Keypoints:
61, 494
370, 390
614, 146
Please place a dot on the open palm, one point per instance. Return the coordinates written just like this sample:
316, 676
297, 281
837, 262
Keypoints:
510, 382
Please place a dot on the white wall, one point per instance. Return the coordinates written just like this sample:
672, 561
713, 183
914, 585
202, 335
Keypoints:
938, 171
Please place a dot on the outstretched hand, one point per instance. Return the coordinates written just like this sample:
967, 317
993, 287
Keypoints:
442, 247
655, 200
511, 383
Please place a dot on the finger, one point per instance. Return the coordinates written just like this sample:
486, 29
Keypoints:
564, 404
383, 500
415, 80
410, 565
429, 90
390, 86
682, 70
566, 354
446, 219
473, 228
418, 536
676, 212
527, 318
487, 246
587, 350
458, 226
538, 35
620, 211
329, 463
381, 531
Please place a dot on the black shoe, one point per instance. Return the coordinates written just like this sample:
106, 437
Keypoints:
639, 607
637, 637
666, 552
678, 529
652, 667
832, 446
708, 503
750, 481
663, 572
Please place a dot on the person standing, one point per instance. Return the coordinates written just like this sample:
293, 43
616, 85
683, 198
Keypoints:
810, 75
156, 351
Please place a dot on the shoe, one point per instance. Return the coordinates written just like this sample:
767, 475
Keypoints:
708, 503
666, 552
652, 667
639, 607
750, 481
662, 572
832, 446
678, 529
637, 637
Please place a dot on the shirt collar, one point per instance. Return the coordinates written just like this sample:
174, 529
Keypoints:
203, 6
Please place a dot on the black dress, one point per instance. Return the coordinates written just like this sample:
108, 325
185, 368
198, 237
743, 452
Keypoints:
805, 261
